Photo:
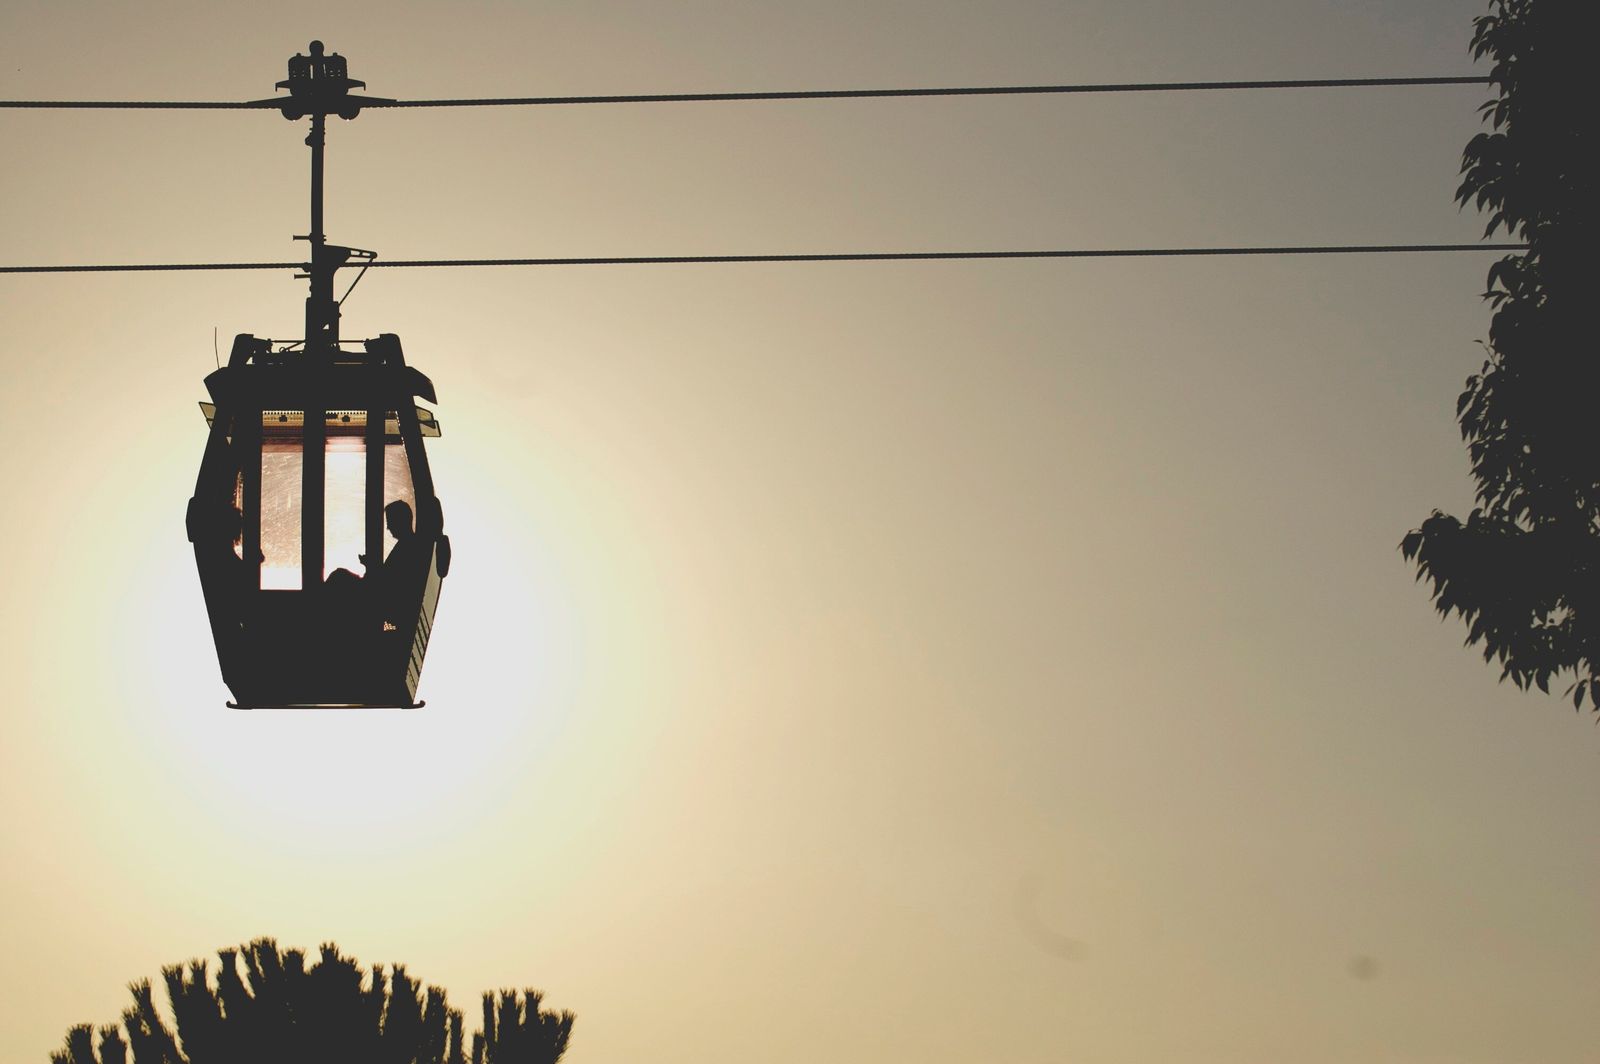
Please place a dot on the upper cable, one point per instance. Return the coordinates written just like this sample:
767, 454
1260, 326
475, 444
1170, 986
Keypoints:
814, 94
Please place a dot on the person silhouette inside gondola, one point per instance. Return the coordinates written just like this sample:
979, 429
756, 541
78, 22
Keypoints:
408, 551
385, 590
397, 580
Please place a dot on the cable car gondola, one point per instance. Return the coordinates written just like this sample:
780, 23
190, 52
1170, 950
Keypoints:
317, 534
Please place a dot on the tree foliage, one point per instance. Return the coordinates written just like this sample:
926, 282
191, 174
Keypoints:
1523, 569
329, 1013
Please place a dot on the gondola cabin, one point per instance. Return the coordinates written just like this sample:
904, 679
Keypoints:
318, 537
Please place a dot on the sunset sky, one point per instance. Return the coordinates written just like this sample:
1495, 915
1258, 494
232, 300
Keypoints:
858, 662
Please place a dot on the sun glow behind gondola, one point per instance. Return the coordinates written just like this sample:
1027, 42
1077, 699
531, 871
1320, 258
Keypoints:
281, 463
344, 521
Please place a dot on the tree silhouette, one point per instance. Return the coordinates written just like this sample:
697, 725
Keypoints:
329, 1013
1523, 570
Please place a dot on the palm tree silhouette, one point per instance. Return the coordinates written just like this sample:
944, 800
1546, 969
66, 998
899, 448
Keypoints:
332, 1012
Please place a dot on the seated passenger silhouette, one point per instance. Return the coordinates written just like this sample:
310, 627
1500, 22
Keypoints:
409, 548
387, 585
397, 581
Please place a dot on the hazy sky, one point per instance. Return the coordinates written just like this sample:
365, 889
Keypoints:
943, 662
